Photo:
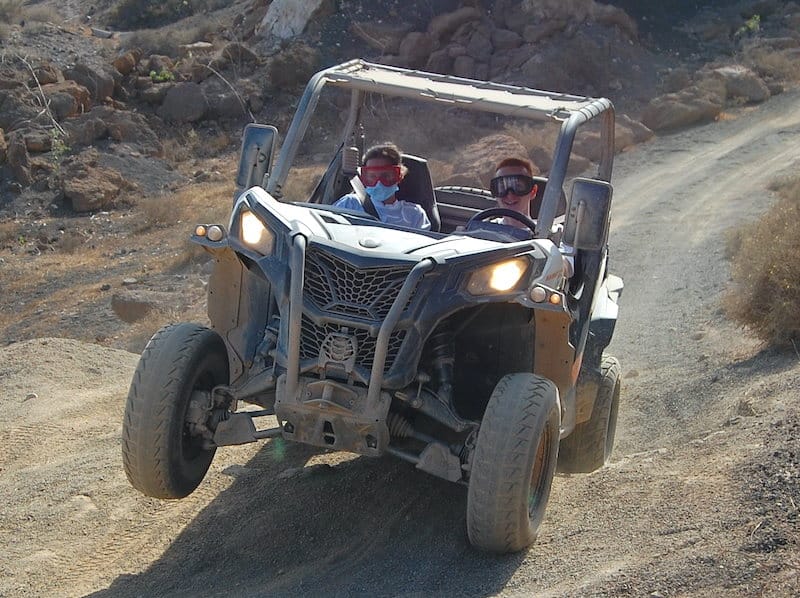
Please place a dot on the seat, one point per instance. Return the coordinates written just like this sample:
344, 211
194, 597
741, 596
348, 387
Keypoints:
417, 187
536, 200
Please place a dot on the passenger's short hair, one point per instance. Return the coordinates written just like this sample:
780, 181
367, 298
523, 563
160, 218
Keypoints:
387, 150
520, 162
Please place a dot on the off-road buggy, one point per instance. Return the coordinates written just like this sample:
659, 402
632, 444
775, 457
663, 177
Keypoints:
464, 350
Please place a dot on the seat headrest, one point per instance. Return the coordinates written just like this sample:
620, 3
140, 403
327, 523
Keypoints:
417, 187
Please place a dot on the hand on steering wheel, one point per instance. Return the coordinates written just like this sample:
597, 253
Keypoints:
495, 212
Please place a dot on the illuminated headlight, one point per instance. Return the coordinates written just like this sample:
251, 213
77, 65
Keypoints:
255, 234
498, 278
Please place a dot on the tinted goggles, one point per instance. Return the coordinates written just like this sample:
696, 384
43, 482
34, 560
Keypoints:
518, 184
388, 175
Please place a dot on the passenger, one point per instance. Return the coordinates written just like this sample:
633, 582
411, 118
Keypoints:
513, 188
381, 174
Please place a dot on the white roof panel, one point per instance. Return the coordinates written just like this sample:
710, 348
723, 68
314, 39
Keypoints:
465, 93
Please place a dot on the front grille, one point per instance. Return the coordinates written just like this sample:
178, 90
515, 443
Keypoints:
337, 287
332, 338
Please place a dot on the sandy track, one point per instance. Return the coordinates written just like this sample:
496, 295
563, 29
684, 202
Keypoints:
679, 511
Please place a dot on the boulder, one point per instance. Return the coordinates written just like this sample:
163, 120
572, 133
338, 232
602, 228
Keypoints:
195, 49
67, 99
676, 110
125, 63
293, 66
17, 108
99, 80
237, 53
37, 140
288, 18
132, 128
415, 49
158, 63
464, 66
640, 132
19, 160
88, 186
384, 37
132, 305
184, 103
480, 45
481, 158
443, 26
47, 73
155, 94
742, 83
505, 39
439, 62
85, 130
120, 125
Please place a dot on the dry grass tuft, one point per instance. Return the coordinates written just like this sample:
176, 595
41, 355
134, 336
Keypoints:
10, 9
765, 295
42, 14
774, 64
166, 41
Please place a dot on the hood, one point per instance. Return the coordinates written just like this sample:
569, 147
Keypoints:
375, 238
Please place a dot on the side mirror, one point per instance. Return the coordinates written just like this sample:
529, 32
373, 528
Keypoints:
586, 226
255, 160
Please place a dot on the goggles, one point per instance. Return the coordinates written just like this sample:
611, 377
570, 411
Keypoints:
518, 184
388, 175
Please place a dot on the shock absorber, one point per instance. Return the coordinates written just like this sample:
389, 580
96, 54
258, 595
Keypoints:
399, 426
441, 352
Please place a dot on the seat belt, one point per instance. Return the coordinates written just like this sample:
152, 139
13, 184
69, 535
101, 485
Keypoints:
369, 207
363, 197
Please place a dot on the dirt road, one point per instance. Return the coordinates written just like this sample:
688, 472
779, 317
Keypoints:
701, 498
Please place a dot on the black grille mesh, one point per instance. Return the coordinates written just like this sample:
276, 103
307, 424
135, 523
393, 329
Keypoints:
337, 287
313, 337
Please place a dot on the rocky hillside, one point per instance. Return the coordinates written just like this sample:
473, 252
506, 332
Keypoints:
105, 106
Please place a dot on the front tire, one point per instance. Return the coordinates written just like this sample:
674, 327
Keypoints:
589, 445
161, 457
514, 463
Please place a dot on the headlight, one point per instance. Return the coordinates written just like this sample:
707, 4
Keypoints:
255, 234
498, 278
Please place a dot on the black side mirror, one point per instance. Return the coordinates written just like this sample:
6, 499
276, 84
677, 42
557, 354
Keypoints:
255, 160
586, 226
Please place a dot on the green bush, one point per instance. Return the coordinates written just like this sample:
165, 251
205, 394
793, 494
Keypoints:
765, 267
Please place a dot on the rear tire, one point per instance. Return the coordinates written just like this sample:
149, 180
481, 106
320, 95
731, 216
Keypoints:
514, 463
161, 457
590, 444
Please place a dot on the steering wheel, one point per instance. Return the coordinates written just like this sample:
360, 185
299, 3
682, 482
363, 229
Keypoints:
495, 212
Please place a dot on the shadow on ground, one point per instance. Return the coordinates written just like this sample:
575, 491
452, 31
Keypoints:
367, 526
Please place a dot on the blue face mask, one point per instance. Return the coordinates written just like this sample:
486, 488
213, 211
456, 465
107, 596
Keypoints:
379, 192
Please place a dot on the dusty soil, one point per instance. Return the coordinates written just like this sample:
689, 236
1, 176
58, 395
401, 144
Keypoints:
701, 497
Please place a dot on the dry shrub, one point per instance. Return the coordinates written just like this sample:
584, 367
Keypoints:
774, 64
42, 14
765, 295
71, 241
301, 182
167, 40
10, 9
158, 212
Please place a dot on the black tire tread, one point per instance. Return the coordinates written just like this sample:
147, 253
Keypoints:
149, 409
584, 450
497, 515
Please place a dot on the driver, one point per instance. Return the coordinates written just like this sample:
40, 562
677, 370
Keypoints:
381, 174
513, 188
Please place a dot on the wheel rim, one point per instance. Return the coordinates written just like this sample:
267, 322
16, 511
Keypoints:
192, 445
539, 476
